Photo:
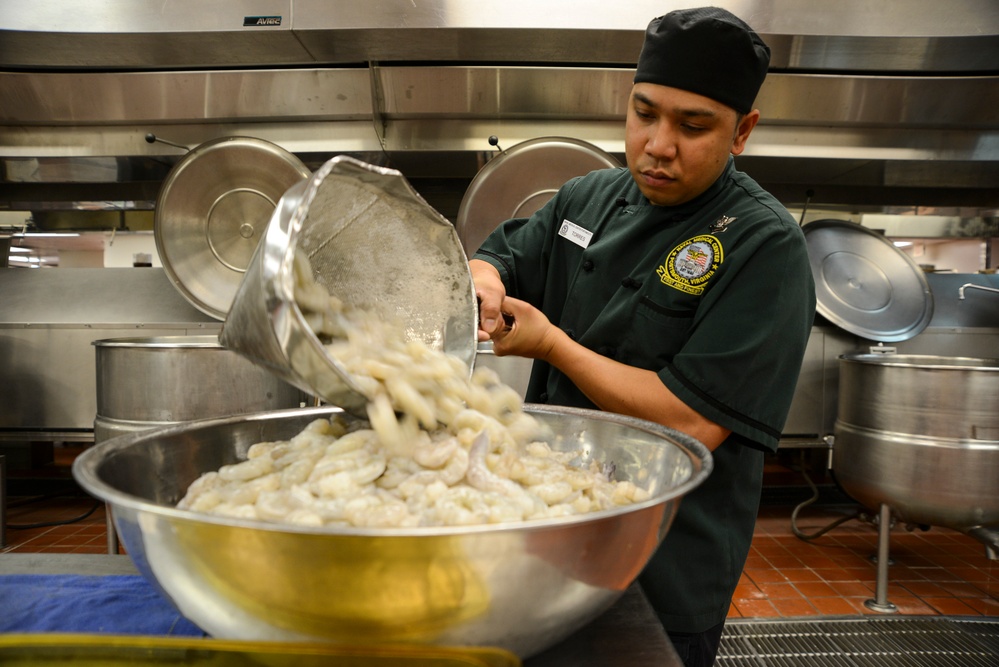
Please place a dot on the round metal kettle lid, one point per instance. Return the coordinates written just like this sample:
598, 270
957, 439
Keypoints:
212, 211
864, 284
520, 180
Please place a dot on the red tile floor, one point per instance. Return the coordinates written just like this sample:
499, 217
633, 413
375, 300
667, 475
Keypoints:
28, 529
937, 572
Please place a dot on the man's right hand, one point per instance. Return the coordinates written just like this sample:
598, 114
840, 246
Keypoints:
490, 291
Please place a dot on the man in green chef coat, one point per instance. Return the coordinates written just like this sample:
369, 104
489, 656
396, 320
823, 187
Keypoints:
675, 290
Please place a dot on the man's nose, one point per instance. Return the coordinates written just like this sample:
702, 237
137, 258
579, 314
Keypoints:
662, 142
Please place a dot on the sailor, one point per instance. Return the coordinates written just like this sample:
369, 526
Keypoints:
675, 290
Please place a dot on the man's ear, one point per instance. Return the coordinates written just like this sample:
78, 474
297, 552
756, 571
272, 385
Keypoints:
742, 132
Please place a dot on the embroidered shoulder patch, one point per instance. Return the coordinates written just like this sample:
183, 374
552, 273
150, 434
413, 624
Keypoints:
690, 265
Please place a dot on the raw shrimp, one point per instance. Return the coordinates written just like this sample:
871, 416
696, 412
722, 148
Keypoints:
442, 446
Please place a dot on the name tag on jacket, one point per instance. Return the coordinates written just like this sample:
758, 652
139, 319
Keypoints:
575, 233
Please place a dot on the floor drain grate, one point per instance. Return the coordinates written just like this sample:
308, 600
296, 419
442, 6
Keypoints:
861, 642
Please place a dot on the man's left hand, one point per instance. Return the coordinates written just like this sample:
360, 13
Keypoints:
527, 332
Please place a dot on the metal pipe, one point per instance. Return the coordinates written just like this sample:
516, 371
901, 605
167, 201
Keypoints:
989, 537
112, 534
960, 291
880, 602
3, 501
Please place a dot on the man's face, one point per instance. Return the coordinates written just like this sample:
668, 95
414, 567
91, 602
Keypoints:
677, 143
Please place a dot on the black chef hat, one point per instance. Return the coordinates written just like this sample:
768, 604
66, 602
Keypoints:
707, 51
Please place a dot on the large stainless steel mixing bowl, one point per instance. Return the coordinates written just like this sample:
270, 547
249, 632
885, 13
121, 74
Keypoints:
522, 587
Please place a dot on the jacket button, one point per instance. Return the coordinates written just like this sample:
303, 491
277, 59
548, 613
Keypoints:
543, 398
588, 265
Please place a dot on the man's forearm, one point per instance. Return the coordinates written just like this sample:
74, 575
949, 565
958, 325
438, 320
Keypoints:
617, 387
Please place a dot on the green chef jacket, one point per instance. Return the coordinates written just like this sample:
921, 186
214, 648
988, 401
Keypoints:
716, 296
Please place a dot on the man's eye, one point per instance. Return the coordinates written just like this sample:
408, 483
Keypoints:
642, 114
693, 128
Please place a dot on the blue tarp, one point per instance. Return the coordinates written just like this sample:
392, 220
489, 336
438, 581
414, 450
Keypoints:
112, 604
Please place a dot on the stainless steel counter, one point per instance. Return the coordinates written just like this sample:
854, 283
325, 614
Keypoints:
627, 634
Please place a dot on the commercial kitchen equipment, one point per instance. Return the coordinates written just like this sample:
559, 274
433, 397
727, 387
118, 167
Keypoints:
882, 113
870, 109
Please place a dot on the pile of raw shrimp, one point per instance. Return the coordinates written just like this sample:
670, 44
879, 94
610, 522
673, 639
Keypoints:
441, 447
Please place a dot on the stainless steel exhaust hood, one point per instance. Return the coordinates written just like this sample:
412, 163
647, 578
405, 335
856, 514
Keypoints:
849, 35
873, 104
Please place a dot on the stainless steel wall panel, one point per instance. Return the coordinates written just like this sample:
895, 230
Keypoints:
48, 320
831, 156
466, 142
513, 93
958, 342
878, 101
104, 98
389, 92
935, 227
93, 298
50, 374
978, 311
805, 418
975, 169
881, 53
873, 143
31, 144
567, 93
